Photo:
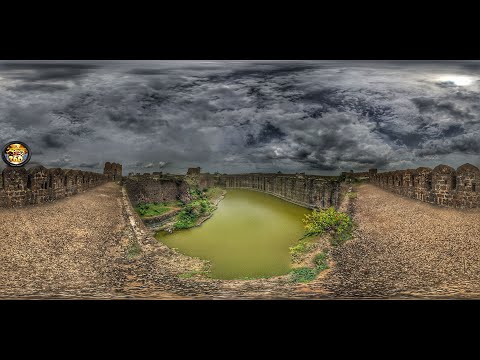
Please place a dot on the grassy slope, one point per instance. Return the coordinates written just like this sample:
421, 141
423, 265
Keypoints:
156, 209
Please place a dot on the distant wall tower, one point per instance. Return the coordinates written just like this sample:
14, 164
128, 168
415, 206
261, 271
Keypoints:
193, 171
113, 171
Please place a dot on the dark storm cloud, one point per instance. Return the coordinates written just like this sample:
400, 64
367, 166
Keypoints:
53, 141
25, 65
301, 154
93, 165
317, 164
270, 132
339, 139
471, 66
147, 71
64, 161
324, 96
465, 143
27, 71
135, 123
432, 106
149, 166
239, 116
262, 71
267, 133
38, 87
410, 140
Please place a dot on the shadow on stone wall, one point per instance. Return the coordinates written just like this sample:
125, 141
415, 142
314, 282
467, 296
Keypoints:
310, 191
152, 188
442, 186
20, 187
113, 171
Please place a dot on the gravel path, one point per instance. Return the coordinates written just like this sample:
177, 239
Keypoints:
405, 248
74, 247
77, 248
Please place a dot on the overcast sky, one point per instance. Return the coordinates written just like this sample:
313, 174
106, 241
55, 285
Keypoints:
319, 117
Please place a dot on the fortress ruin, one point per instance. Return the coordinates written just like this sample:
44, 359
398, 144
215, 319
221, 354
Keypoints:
20, 187
113, 171
310, 191
442, 185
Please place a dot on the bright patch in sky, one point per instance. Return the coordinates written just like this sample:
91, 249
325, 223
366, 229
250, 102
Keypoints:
459, 80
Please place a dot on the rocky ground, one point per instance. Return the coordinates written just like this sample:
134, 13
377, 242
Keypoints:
47, 250
81, 247
72, 248
406, 248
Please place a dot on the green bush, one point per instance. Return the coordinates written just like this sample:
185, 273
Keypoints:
213, 193
151, 209
300, 248
321, 261
196, 193
190, 214
304, 246
307, 274
185, 220
329, 220
303, 275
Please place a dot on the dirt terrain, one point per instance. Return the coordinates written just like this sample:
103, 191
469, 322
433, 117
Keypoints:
405, 248
74, 247
80, 247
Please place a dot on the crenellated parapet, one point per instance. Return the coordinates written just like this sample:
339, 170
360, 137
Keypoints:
310, 191
20, 187
442, 185
148, 188
113, 171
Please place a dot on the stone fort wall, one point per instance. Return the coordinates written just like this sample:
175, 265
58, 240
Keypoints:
149, 188
113, 171
359, 175
20, 187
310, 191
442, 185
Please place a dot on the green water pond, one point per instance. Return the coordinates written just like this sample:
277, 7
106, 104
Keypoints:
248, 236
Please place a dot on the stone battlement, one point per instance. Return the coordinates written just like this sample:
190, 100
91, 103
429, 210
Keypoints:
113, 171
310, 191
359, 175
442, 185
149, 188
20, 187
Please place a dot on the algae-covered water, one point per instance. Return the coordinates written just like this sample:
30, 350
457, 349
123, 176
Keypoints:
248, 236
